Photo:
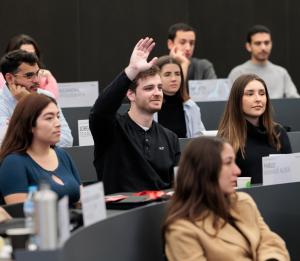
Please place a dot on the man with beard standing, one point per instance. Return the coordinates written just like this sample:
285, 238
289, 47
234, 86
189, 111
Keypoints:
21, 72
278, 80
133, 152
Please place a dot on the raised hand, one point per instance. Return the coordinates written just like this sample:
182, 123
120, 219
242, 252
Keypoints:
138, 60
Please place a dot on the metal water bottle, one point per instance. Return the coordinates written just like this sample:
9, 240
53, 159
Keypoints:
46, 218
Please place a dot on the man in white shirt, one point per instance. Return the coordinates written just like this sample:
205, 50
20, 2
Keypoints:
21, 72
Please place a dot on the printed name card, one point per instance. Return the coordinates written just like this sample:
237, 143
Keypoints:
209, 90
77, 94
93, 203
63, 219
281, 168
84, 134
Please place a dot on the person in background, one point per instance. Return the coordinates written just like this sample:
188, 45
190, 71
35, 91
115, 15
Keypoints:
132, 151
207, 219
28, 154
277, 78
181, 43
178, 112
248, 125
27, 43
21, 72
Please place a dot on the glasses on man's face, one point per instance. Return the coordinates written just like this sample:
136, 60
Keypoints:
30, 75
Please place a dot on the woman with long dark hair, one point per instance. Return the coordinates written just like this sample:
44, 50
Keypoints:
207, 219
28, 154
248, 125
178, 112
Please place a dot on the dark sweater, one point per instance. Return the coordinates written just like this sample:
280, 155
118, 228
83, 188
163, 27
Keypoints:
127, 158
201, 69
257, 146
172, 115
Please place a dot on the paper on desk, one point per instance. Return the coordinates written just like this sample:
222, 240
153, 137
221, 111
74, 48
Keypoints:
281, 168
93, 203
84, 134
209, 90
77, 94
63, 219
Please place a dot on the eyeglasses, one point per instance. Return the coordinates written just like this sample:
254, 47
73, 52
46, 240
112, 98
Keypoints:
30, 75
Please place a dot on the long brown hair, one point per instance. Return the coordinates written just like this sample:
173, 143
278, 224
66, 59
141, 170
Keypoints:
17, 41
197, 190
19, 136
167, 59
233, 125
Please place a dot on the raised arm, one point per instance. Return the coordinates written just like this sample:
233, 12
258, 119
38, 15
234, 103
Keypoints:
110, 99
138, 60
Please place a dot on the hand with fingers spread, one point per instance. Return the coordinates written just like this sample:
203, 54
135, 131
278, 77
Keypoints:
138, 60
18, 91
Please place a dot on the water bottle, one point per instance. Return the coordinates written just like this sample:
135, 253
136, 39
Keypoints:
28, 209
29, 213
46, 218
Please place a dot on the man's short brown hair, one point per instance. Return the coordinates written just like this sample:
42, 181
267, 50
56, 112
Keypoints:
154, 70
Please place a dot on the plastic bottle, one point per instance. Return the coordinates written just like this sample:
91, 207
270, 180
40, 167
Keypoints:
29, 213
28, 208
46, 218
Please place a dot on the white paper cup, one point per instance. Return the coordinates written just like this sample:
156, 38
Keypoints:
244, 182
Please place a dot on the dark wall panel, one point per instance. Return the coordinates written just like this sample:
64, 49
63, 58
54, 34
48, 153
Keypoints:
53, 24
109, 32
222, 26
220, 31
293, 40
92, 39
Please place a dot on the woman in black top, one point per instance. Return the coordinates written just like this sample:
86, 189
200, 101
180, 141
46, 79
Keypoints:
248, 125
178, 112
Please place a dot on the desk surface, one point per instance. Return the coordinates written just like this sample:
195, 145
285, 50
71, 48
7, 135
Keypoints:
135, 235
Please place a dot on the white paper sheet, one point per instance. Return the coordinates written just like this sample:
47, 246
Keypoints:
93, 203
77, 94
63, 219
85, 137
281, 168
209, 90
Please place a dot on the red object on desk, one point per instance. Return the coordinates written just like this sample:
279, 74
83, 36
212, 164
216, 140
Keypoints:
114, 198
152, 194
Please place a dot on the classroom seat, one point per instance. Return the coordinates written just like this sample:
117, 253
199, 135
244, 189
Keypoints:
83, 157
294, 138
